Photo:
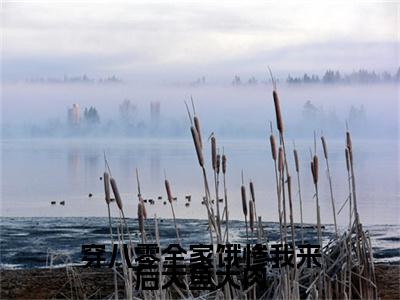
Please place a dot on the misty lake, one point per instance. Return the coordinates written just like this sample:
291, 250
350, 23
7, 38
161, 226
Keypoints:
38, 171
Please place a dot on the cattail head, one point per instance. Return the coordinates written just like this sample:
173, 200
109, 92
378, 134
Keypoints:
218, 163
325, 147
280, 160
315, 166
197, 126
224, 163
279, 121
144, 207
312, 170
347, 159
251, 214
140, 217
214, 153
273, 146
253, 196
296, 160
106, 179
197, 145
348, 141
168, 189
116, 193
289, 185
244, 203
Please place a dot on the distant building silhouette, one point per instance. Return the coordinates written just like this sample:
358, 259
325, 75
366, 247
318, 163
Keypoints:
74, 115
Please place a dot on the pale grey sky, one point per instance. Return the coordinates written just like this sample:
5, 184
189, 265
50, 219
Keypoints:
175, 40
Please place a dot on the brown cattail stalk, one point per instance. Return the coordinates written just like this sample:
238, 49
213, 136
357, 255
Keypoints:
170, 199
325, 147
297, 165
273, 146
244, 207
223, 163
218, 163
348, 141
251, 214
214, 153
315, 166
197, 126
197, 145
144, 207
106, 179
314, 171
141, 220
116, 193
216, 181
253, 198
279, 121
289, 185
168, 189
296, 160
225, 197
280, 160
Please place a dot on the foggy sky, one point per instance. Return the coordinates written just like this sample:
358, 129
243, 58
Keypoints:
164, 42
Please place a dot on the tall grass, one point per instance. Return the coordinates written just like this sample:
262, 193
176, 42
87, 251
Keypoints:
347, 267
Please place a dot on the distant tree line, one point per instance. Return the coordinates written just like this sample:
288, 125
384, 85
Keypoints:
330, 77
75, 79
360, 76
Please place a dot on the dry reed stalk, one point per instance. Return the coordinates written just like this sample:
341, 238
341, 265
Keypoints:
289, 184
253, 197
282, 189
106, 179
170, 199
349, 185
314, 171
141, 220
297, 166
244, 207
277, 181
325, 148
216, 182
224, 161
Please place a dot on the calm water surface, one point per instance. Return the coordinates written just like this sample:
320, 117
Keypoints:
38, 171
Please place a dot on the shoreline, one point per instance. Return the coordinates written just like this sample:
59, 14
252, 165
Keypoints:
98, 283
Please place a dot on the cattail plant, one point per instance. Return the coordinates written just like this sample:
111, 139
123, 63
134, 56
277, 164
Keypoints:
106, 180
314, 172
277, 180
216, 182
282, 189
253, 198
170, 199
140, 213
297, 166
225, 197
325, 148
251, 217
244, 206
116, 193
196, 135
